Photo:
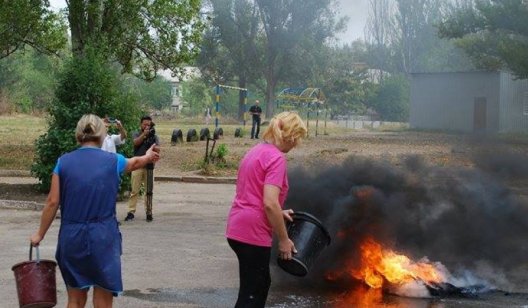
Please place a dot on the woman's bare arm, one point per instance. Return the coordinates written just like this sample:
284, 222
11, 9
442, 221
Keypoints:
49, 211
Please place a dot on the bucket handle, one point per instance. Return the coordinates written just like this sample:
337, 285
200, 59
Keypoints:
31, 253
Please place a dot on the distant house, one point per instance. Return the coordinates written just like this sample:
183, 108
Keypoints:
188, 73
484, 102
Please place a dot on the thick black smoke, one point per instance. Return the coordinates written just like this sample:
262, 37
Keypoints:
460, 217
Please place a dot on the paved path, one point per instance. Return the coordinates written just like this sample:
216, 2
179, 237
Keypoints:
181, 259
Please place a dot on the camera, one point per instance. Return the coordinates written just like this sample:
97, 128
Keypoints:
151, 137
152, 131
112, 120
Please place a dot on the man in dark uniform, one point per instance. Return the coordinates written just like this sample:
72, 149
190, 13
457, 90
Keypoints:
256, 111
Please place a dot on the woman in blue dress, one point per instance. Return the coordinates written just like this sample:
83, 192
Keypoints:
85, 184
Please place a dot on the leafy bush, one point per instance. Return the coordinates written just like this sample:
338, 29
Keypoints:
392, 99
86, 85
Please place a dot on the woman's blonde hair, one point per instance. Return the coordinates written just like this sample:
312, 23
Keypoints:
285, 127
90, 128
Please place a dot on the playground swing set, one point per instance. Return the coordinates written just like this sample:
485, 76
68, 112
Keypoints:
304, 100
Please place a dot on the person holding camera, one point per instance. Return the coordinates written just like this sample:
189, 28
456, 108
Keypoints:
143, 140
111, 141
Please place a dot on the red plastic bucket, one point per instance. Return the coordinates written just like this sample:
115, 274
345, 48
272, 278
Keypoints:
35, 281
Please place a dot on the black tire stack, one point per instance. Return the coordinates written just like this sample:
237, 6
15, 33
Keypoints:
238, 133
204, 134
218, 132
192, 136
177, 137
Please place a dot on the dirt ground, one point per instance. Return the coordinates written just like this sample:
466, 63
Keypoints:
435, 148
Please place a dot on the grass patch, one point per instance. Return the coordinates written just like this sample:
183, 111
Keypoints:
19, 132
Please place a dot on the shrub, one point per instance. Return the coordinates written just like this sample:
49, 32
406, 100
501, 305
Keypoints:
86, 85
392, 100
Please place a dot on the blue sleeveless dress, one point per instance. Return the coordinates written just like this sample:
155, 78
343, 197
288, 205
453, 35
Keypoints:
89, 244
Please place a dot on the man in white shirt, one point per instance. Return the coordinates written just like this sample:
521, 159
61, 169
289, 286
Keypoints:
111, 141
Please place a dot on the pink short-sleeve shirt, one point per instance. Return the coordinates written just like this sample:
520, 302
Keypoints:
247, 221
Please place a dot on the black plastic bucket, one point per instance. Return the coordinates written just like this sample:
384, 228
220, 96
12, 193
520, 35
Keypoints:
310, 238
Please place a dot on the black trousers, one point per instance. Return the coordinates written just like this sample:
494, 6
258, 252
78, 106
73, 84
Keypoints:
256, 124
254, 271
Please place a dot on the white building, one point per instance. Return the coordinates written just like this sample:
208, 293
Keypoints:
188, 73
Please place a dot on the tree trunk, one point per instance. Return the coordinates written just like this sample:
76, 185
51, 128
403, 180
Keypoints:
242, 108
270, 96
76, 19
85, 18
94, 17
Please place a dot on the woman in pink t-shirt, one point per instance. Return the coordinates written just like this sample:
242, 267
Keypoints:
262, 186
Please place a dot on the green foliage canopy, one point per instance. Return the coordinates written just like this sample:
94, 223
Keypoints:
347, 85
197, 95
143, 36
30, 22
392, 99
28, 80
493, 33
155, 94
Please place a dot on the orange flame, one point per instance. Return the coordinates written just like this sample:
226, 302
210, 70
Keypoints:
379, 265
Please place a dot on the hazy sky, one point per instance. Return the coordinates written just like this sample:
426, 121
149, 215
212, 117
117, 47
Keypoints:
355, 9
57, 4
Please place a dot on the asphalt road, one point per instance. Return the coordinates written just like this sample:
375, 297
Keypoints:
181, 259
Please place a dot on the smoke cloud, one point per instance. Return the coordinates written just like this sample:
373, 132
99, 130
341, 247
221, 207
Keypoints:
463, 218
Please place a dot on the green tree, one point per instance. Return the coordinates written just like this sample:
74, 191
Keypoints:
197, 94
143, 36
345, 80
291, 27
136, 36
493, 33
28, 80
392, 99
266, 44
402, 37
87, 85
378, 33
155, 94
235, 28
32, 23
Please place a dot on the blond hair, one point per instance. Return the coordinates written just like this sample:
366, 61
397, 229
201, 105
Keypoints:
90, 128
285, 127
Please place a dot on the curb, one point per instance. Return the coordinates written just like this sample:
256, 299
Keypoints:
196, 179
162, 178
35, 206
21, 205
14, 173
